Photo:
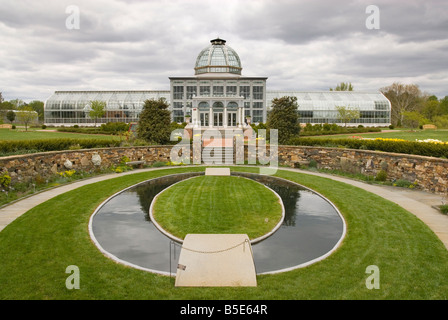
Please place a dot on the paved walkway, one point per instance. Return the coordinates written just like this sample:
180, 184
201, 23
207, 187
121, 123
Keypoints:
417, 202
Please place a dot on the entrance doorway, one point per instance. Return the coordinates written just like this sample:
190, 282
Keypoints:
231, 119
217, 119
203, 116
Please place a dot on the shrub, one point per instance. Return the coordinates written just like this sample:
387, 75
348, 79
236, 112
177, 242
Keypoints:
5, 180
391, 127
114, 127
312, 164
381, 175
386, 145
15, 147
444, 208
44, 126
13, 127
404, 184
158, 164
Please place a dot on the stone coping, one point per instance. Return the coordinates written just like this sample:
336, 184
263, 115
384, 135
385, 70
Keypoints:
373, 152
394, 154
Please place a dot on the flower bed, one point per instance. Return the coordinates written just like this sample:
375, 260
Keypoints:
428, 147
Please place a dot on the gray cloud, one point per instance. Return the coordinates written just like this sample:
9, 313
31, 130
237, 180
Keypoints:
299, 45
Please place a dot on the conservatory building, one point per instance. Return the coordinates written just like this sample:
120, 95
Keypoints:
216, 96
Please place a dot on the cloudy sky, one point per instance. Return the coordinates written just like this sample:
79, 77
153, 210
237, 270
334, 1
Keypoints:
298, 45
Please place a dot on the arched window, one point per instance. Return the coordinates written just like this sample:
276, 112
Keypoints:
218, 104
203, 105
232, 105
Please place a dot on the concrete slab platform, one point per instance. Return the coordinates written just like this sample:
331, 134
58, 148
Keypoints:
217, 171
216, 260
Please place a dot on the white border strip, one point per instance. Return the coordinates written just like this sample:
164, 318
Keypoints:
322, 257
110, 255
179, 240
118, 260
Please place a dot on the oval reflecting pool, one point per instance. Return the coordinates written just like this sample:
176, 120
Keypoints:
122, 229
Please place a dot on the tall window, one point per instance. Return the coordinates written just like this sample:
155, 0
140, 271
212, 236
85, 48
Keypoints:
218, 91
178, 116
231, 90
245, 91
257, 116
191, 90
178, 92
258, 92
204, 91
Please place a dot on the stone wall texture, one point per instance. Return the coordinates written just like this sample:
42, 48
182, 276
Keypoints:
27, 167
430, 174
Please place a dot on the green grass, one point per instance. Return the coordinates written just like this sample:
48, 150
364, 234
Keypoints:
32, 134
212, 204
396, 134
37, 247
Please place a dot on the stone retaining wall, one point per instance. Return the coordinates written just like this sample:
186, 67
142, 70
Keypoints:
27, 167
430, 174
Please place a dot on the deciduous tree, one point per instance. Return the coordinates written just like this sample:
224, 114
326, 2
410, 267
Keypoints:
38, 106
403, 98
26, 115
347, 114
343, 86
98, 110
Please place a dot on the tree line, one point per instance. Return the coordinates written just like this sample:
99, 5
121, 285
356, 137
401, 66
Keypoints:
25, 113
410, 106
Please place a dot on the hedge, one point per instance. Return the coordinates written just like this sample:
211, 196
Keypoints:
114, 128
339, 131
15, 147
406, 147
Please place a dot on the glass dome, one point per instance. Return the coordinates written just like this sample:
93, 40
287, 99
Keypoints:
218, 58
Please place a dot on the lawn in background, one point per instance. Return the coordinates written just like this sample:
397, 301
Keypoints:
32, 134
396, 134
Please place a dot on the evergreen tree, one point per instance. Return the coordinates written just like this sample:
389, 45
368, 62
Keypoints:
284, 117
11, 116
154, 122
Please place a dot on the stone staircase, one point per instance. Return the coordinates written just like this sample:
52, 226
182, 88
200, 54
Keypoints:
217, 155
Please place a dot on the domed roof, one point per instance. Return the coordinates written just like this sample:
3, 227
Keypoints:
218, 58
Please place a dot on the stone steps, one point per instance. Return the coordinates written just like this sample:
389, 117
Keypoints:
218, 155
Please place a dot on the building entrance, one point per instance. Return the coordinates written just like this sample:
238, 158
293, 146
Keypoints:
217, 119
231, 119
204, 119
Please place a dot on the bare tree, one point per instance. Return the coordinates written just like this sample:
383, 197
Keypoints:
404, 98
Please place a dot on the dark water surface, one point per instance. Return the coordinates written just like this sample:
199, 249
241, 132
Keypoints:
312, 227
